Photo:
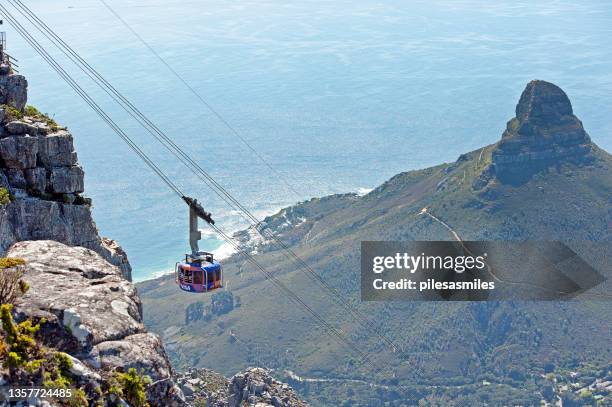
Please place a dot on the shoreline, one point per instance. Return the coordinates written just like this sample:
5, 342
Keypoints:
225, 250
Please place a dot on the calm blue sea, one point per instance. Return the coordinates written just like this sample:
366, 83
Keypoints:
337, 95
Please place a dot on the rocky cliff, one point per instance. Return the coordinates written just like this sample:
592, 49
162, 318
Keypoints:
545, 132
39, 168
88, 310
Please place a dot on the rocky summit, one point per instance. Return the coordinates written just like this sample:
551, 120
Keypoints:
545, 132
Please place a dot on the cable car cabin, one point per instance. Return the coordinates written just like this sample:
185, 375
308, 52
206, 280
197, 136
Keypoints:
199, 274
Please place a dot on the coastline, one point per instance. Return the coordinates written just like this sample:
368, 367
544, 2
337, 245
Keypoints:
225, 250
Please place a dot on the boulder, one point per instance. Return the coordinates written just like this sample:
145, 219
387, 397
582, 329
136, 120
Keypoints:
67, 180
14, 91
56, 150
87, 294
19, 151
21, 127
144, 352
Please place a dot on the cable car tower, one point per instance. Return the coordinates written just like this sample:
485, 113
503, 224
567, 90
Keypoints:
199, 272
7, 62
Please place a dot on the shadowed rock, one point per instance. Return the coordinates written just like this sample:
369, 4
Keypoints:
13, 90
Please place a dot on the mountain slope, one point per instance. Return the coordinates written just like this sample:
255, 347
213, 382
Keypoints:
544, 180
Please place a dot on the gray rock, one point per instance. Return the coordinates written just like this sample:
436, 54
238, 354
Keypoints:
19, 127
4, 182
75, 283
79, 370
143, 351
14, 91
57, 150
19, 151
256, 386
29, 218
42, 128
75, 288
16, 178
2, 114
36, 179
67, 180
187, 390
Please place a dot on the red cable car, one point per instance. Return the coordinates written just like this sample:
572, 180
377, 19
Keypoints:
199, 273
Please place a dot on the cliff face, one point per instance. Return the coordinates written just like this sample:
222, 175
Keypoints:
545, 132
39, 167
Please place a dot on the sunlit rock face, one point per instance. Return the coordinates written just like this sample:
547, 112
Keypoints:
92, 313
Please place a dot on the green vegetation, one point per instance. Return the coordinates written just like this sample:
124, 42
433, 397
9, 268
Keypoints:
5, 196
32, 112
10, 113
19, 343
58, 377
23, 356
131, 387
10, 262
11, 283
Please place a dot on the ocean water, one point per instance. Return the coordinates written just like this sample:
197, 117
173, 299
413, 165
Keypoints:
337, 95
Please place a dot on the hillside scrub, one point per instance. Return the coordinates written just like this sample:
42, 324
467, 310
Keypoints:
10, 113
5, 196
131, 387
11, 283
34, 113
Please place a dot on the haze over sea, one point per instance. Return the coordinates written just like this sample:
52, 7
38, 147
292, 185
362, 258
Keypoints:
337, 95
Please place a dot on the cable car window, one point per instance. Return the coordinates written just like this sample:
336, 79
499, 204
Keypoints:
197, 277
187, 276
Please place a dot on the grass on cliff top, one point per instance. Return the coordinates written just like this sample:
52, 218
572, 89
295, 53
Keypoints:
33, 112
12, 114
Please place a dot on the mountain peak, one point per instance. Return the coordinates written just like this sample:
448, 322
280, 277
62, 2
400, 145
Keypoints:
544, 132
543, 102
